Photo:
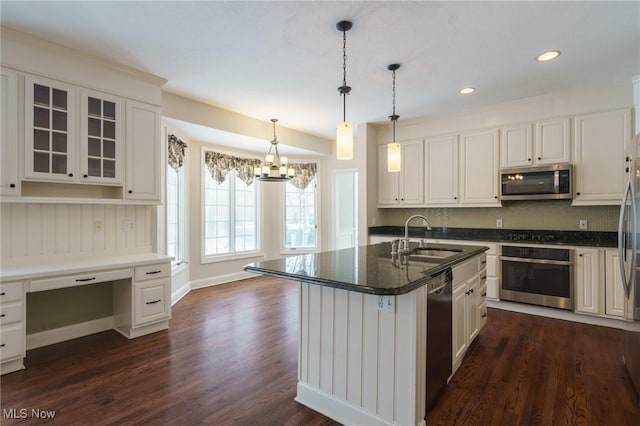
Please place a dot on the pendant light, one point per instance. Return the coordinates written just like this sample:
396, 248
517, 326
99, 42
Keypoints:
394, 159
344, 129
274, 168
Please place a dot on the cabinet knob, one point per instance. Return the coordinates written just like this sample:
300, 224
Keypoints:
577, 193
528, 159
401, 199
85, 176
495, 196
131, 192
580, 255
70, 174
12, 185
470, 291
484, 315
627, 159
539, 158
626, 169
455, 198
395, 198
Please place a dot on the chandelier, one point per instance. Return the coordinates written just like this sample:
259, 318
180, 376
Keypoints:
274, 168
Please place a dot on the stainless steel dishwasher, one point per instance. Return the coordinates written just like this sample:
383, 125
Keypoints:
439, 335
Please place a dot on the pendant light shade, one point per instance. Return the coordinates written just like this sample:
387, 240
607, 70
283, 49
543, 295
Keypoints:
344, 140
344, 129
394, 152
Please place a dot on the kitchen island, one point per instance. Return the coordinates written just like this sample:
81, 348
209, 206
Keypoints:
362, 349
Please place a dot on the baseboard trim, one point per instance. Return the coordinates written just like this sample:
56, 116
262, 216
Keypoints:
555, 313
220, 279
337, 409
73, 331
180, 293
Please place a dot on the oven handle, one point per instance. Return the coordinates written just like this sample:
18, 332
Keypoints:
542, 261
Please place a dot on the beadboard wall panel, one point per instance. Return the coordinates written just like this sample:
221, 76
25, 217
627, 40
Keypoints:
59, 229
361, 357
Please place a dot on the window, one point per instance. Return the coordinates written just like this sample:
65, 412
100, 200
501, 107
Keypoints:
301, 227
230, 216
176, 241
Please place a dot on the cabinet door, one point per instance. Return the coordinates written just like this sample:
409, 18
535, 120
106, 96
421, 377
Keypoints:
516, 146
479, 167
588, 281
473, 309
599, 145
459, 321
441, 160
144, 151
49, 130
9, 173
100, 138
614, 291
552, 142
388, 182
412, 173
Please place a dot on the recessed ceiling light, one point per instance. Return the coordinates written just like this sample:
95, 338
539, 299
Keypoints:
548, 55
467, 90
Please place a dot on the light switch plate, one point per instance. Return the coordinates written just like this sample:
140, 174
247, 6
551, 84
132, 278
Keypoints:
387, 303
584, 224
498, 223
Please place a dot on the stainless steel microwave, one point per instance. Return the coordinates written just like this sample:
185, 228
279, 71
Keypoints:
553, 182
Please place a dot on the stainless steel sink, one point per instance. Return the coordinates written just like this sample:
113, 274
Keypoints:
434, 253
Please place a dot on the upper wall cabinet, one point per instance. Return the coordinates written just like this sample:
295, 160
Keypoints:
599, 143
144, 152
404, 188
549, 144
9, 170
479, 167
441, 161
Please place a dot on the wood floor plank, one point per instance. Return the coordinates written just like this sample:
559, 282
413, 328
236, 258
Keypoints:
230, 357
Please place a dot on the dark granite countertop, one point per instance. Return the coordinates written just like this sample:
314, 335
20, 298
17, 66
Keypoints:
528, 236
366, 269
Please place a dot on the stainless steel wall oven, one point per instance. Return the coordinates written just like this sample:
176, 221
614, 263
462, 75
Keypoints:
537, 275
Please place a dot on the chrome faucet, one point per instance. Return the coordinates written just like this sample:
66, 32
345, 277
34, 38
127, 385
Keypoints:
404, 243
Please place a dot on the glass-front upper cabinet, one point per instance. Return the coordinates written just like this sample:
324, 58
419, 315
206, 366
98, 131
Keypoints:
49, 138
101, 138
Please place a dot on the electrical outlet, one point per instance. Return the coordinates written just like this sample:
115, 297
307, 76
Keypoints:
128, 226
387, 303
498, 223
97, 226
584, 224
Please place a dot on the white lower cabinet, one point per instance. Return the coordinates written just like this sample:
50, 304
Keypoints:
12, 327
152, 302
589, 278
469, 306
614, 290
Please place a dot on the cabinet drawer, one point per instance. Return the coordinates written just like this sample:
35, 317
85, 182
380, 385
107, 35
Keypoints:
75, 280
151, 302
11, 342
11, 292
482, 311
11, 312
482, 292
150, 272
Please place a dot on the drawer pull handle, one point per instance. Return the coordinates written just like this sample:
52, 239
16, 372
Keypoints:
484, 315
152, 272
484, 294
2, 345
483, 262
154, 302
81, 280
484, 277
3, 315
3, 293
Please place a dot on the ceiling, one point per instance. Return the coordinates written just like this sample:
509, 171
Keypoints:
284, 59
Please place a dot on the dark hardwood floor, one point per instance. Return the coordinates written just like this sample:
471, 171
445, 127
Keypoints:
230, 357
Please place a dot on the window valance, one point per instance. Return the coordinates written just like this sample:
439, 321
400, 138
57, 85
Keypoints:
219, 165
304, 173
176, 152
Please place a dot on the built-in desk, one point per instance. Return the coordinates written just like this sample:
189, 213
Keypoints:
141, 297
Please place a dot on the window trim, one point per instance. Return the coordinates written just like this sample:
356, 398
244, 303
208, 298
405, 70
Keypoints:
283, 219
182, 259
204, 259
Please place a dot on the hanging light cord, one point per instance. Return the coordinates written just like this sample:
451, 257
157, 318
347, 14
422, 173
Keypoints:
344, 90
394, 117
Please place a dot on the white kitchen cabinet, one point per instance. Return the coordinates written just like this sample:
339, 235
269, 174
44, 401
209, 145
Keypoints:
144, 152
599, 143
614, 290
12, 327
100, 138
589, 276
468, 306
9, 172
441, 161
516, 148
552, 141
479, 168
406, 187
50, 142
